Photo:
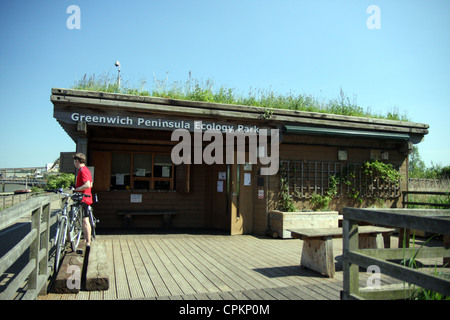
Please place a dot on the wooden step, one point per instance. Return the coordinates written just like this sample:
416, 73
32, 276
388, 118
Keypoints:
86, 270
97, 275
70, 272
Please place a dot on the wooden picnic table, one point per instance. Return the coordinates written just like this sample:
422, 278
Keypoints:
317, 252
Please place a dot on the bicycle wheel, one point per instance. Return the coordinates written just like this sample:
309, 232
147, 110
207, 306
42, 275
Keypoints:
60, 241
76, 228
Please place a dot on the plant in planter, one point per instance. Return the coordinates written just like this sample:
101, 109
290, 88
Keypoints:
291, 218
322, 202
286, 201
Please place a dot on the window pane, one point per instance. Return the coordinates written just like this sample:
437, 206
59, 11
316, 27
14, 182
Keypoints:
163, 166
163, 159
162, 185
142, 165
141, 185
120, 171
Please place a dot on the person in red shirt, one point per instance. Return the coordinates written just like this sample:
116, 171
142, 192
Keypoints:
84, 184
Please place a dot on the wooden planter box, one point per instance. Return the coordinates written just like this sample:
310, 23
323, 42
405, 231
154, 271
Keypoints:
281, 221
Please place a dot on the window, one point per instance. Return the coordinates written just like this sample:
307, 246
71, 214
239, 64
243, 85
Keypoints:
120, 171
142, 171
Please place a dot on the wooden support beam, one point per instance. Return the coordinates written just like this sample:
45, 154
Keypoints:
97, 274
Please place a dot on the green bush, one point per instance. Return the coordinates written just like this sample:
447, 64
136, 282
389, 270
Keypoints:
62, 180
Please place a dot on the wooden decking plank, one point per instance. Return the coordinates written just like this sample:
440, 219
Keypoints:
96, 295
290, 294
272, 264
214, 296
302, 292
238, 295
133, 280
122, 289
229, 266
278, 275
261, 293
187, 257
334, 287
253, 294
226, 296
165, 253
245, 264
327, 294
204, 267
184, 267
202, 296
216, 267
306, 274
230, 258
155, 277
242, 267
234, 264
158, 260
141, 271
275, 292
111, 293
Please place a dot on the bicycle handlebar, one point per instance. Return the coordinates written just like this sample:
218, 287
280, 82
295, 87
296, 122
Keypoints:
77, 194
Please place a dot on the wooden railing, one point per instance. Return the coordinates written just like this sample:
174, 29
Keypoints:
7, 201
406, 201
436, 221
37, 270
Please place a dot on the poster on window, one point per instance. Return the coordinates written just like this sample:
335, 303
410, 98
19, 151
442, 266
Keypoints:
166, 172
140, 172
120, 178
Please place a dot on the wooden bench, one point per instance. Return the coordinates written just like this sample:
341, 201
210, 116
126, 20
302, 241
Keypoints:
128, 216
317, 252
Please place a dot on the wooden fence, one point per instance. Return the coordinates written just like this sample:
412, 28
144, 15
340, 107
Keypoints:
435, 221
37, 269
406, 201
7, 201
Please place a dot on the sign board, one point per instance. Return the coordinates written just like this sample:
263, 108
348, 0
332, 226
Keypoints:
260, 194
136, 198
133, 120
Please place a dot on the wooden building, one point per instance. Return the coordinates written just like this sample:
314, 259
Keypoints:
128, 140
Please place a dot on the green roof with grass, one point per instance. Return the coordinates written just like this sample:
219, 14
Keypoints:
204, 91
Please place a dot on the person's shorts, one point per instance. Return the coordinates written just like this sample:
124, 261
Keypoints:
85, 210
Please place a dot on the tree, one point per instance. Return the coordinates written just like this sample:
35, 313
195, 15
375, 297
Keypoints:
417, 168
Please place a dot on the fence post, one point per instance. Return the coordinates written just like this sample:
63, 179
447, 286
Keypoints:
34, 248
43, 265
351, 271
446, 260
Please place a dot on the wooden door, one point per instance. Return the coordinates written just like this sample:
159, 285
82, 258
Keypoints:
220, 215
241, 199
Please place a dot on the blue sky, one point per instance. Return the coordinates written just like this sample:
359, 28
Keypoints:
311, 47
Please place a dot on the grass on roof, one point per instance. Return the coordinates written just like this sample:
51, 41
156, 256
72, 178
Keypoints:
195, 90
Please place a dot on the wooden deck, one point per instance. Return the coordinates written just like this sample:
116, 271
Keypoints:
211, 266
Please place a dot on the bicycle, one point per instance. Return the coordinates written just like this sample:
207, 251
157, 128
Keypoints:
70, 224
